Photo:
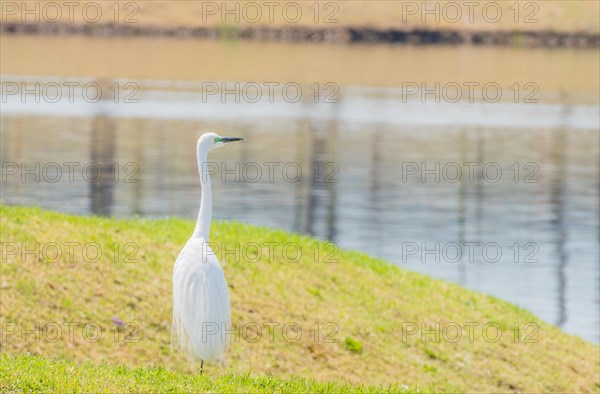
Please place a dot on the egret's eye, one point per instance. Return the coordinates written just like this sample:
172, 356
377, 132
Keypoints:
217, 139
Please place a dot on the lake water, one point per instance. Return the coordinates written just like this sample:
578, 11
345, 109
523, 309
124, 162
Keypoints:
500, 195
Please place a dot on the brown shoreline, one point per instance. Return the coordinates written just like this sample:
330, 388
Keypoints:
548, 39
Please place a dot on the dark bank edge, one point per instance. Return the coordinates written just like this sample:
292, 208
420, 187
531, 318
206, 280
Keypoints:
548, 39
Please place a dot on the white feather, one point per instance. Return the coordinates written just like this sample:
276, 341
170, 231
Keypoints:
201, 311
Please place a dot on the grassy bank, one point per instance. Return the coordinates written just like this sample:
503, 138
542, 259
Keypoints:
485, 15
548, 23
38, 374
99, 289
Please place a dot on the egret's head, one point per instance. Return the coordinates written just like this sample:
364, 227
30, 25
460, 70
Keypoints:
210, 141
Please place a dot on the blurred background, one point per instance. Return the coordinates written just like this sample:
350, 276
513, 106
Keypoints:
386, 109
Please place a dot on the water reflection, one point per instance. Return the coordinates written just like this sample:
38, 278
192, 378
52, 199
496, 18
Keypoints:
366, 201
102, 153
320, 199
557, 192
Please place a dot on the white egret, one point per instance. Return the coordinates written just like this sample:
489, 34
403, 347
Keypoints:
201, 308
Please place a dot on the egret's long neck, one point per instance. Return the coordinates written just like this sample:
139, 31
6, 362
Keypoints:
205, 215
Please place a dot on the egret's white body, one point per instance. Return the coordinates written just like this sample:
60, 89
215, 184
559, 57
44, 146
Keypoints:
201, 307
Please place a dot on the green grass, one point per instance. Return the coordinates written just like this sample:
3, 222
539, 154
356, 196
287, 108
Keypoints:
331, 316
28, 373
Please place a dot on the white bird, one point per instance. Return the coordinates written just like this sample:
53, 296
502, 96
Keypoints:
201, 307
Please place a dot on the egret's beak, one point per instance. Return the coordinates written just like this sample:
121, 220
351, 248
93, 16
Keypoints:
232, 139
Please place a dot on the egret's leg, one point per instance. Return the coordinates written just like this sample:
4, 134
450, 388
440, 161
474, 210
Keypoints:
201, 366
